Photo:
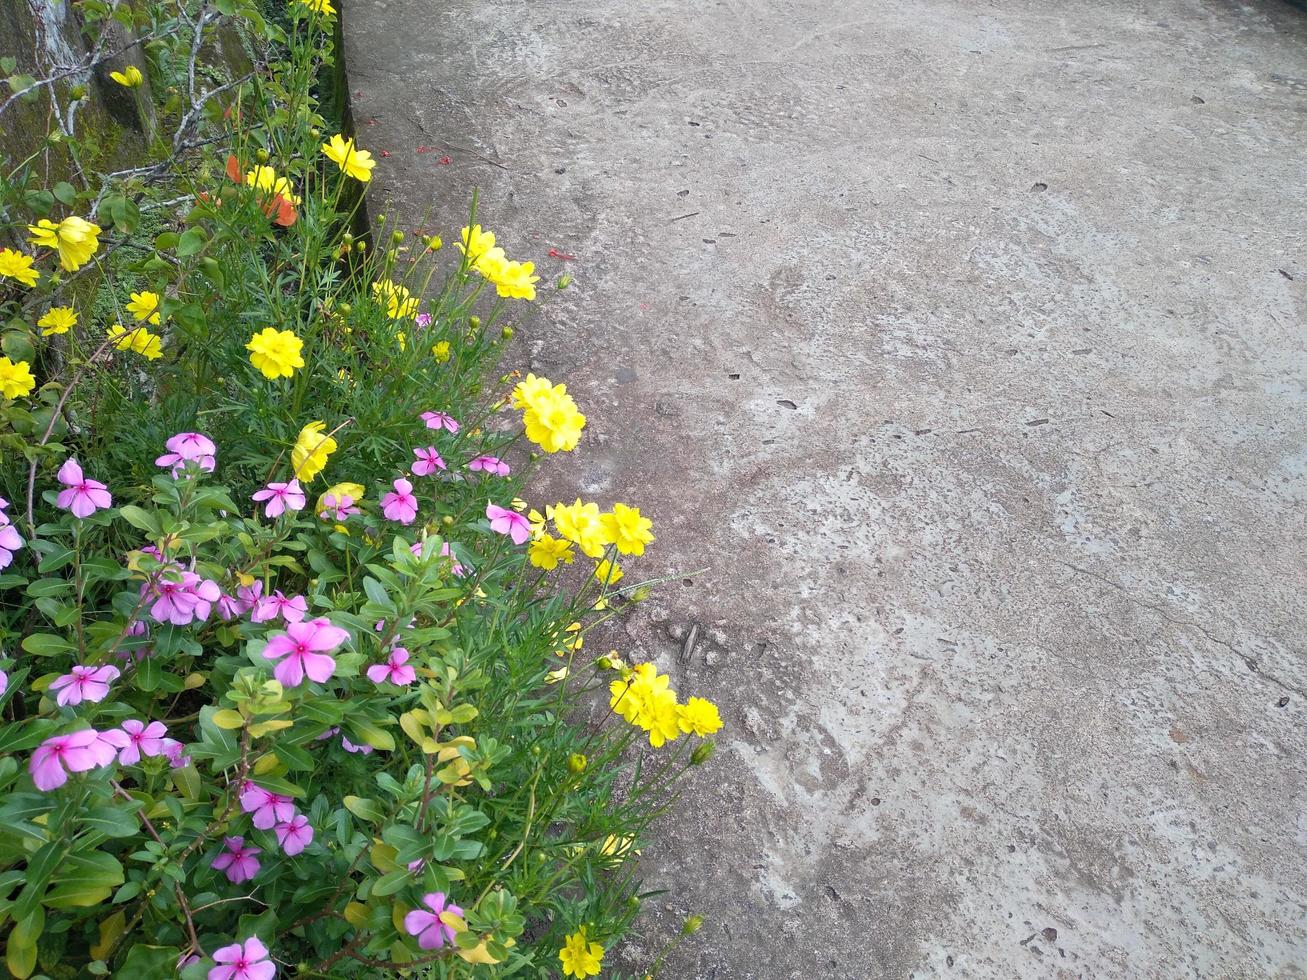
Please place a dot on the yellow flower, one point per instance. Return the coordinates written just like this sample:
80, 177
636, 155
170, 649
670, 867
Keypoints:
615, 848
16, 380
627, 529
338, 492
352, 161
549, 414
74, 238
579, 957
138, 339
440, 352
400, 303
569, 638
57, 319
275, 352
547, 552
402, 340
131, 78
554, 676
476, 243
265, 179
145, 306
609, 572
580, 524
323, 7
644, 699
16, 265
512, 280
699, 716
311, 451
537, 520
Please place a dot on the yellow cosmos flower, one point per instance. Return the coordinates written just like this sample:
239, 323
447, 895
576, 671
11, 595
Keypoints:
265, 179
275, 352
440, 352
312, 449
581, 958
512, 280
476, 243
627, 529
145, 306
352, 161
323, 7
338, 492
16, 380
76, 240
57, 319
698, 716
609, 572
546, 552
549, 414
138, 339
644, 699
16, 265
400, 303
580, 524
130, 78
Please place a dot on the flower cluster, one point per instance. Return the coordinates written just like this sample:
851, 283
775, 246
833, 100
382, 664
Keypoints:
643, 698
549, 414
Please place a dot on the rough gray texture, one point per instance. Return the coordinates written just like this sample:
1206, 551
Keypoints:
964, 343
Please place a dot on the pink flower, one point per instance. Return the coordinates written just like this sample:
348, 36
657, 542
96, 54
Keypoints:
237, 861
143, 739
281, 497
10, 541
304, 647
184, 602
401, 505
292, 610
61, 754
175, 752
245, 599
337, 508
349, 746
447, 552
268, 808
509, 522
84, 684
243, 962
423, 320
439, 420
431, 933
395, 669
428, 461
4, 678
294, 834
489, 464
188, 447
80, 495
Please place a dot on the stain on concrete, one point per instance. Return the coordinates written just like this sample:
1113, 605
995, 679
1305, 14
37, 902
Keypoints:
958, 351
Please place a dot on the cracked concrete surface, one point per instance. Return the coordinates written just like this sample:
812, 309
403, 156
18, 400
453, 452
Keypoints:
963, 343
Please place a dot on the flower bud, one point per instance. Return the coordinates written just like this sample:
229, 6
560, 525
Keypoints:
564, 280
345, 309
77, 92
315, 133
693, 924
640, 593
507, 332
381, 220
261, 155
576, 762
474, 322
433, 243
447, 520
396, 236
702, 753
362, 246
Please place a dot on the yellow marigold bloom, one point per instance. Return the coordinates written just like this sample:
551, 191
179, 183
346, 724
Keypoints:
57, 319
130, 78
138, 339
16, 265
275, 352
145, 307
323, 7
352, 161
265, 179
476, 243
546, 552
76, 240
580, 524
16, 380
579, 957
699, 716
440, 352
311, 451
609, 572
627, 529
400, 303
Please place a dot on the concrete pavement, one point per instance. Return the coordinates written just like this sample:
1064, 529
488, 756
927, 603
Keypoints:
963, 343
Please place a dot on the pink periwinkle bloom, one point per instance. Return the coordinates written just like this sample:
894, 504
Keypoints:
175, 752
10, 541
246, 598
84, 684
280, 498
337, 508
431, 933
302, 650
182, 603
294, 834
136, 628
81, 495
186, 959
243, 961
489, 464
423, 320
59, 755
4, 679
428, 461
400, 505
395, 669
142, 740
439, 420
268, 808
188, 447
292, 610
349, 746
237, 861
509, 522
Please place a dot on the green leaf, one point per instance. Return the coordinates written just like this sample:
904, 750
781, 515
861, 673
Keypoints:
191, 242
294, 757
150, 963
47, 587
65, 193
83, 879
148, 674
364, 808
114, 820
140, 519
26, 734
47, 644
60, 556
390, 883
